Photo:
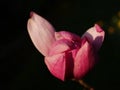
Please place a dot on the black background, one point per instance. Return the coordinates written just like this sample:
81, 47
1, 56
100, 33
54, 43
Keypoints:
22, 66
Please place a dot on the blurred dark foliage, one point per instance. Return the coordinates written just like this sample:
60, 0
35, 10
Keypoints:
22, 66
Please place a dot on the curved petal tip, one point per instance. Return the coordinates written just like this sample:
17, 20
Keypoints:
98, 28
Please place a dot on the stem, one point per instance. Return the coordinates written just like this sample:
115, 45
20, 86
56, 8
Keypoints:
84, 84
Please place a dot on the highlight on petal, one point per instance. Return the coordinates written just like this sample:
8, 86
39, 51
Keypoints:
84, 60
95, 35
41, 33
56, 65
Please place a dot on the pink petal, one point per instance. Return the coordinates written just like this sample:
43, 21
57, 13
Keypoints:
60, 46
56, 65
41, 33
95, 35
84, 60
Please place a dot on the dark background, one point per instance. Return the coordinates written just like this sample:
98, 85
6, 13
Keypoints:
22, 66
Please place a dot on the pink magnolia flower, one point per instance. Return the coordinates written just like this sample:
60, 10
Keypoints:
66, 54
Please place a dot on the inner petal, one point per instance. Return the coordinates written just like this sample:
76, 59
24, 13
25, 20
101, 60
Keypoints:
67, 35
61, 46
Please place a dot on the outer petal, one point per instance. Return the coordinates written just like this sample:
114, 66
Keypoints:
84, 60
61, 65
41, 33
95, 35
56, 65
